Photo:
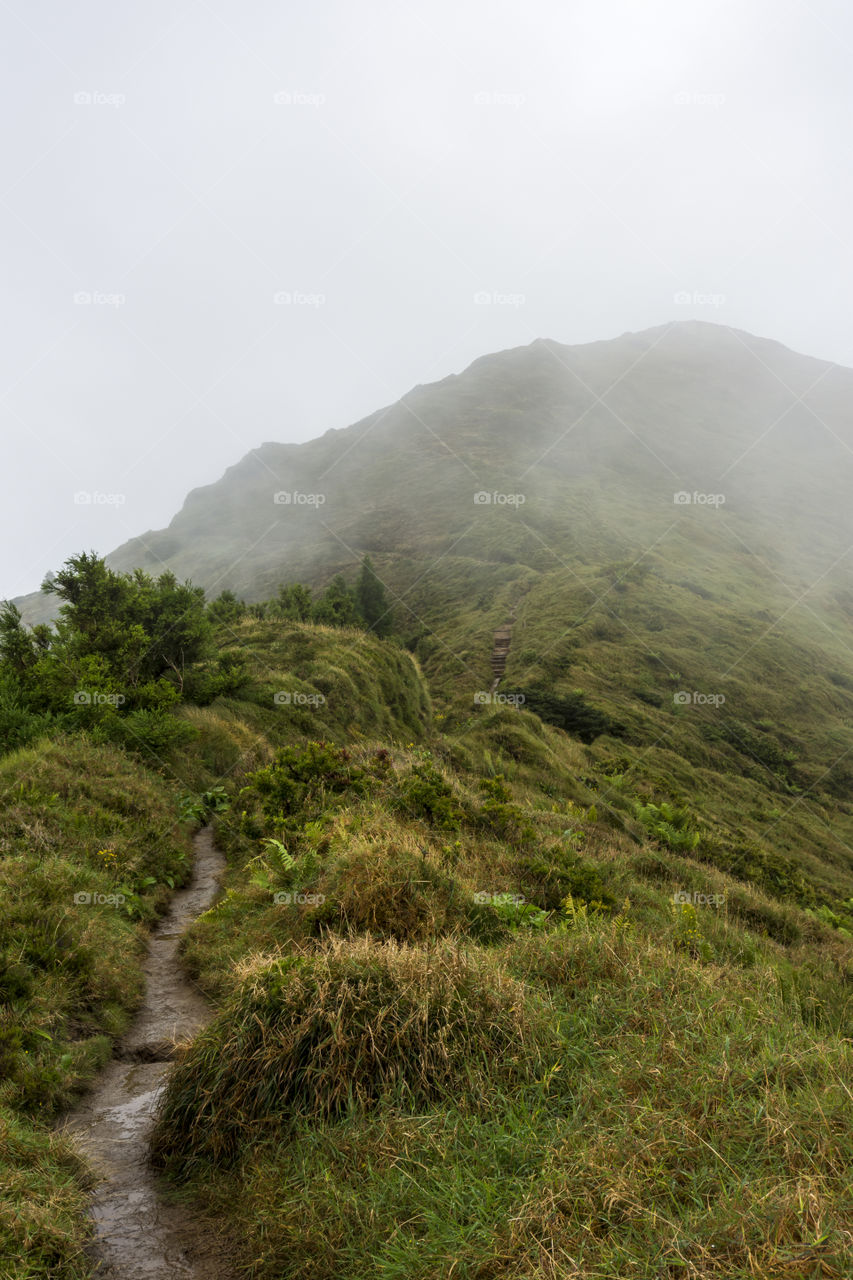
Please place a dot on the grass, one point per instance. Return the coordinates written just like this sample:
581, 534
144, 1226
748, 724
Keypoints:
340, 1029
462, 1027
681, 1108
43, 1200
91, 846
681, 1122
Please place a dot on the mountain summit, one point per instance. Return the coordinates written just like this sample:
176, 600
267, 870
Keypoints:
538, 451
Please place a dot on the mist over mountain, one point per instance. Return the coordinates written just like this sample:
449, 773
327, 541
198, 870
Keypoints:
574, 452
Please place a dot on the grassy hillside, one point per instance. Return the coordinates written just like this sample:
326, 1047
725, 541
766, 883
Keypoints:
464, 1026
476, 1009
94, 837
547, 979
715, 704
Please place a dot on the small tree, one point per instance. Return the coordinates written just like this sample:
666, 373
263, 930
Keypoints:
18, 650
293, 601
371, 600
131, 633
337, 606
226, 608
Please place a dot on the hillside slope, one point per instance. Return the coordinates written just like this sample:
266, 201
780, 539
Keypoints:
713, 636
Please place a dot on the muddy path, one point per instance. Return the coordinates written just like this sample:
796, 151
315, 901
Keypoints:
137, 1235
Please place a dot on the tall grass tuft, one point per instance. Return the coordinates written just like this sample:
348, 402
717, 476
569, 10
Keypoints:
361, 1021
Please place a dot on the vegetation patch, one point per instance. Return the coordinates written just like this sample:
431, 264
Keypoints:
316, 1034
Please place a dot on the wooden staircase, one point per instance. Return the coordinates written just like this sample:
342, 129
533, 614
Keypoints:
500, 651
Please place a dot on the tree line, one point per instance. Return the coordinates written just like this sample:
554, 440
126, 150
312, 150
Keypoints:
127, 646
363, 604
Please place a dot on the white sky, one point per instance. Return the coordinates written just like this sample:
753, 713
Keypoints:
585, 166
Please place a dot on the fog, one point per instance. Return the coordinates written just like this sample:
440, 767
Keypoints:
224, 224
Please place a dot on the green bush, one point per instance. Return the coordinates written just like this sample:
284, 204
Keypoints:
149, 734
669, 825
426, 794
779, 876
548, 878
301, 780
499, 813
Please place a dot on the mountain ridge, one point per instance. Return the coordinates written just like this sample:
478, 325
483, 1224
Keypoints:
681, 406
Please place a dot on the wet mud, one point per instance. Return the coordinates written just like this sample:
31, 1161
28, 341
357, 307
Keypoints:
138, 1235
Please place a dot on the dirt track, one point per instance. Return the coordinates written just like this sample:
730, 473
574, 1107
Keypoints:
138, 1236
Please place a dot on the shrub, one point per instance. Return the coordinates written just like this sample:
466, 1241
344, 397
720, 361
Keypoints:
426, 794
226, 678
548, 878
301, 779
779, 876
149, 734
498, 812
669, 825
19, 724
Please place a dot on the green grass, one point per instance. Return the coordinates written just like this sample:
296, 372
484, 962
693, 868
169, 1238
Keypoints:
682, 1122
682, 1108
90, 847
75, 818
409, 1072
43, 1203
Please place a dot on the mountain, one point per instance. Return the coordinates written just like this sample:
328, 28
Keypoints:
557, 875
596, 440
664, 517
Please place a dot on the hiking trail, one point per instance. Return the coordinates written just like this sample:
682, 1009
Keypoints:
137, 1235
500, 650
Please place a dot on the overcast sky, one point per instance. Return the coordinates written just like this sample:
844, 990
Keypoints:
232, 221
